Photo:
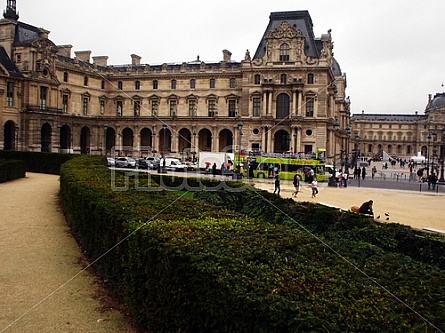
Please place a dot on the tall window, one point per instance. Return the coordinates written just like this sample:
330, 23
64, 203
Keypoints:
64, 103
43, 97
119, 85
192, 108
283, 78
212, 107
10, 94
85, 81
192, 84
102, 84
257, 79
173, 84
154, 107
256, 107
65, 76
173, 106
102, 106
232, 83
284, 52
137, 85
136, 107
310, 103
85, 106
310, 78
212, 83
232, 108
155, 84
119, 108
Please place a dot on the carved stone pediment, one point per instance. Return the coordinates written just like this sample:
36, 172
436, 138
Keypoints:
285, 30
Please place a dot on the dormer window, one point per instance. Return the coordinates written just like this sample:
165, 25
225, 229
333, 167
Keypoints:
284, 52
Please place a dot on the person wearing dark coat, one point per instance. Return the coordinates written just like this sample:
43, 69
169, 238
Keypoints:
366, 208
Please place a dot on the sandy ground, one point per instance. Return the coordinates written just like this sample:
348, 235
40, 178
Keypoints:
43, 284
45, 288
417, 209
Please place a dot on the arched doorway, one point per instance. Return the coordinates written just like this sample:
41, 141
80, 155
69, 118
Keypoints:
225, 141
184, 141
127, 141
85, 136
146, 147
281, 141
110, 140
10, 136
164, 140
65, 139
283, 106
205, 140
45, 138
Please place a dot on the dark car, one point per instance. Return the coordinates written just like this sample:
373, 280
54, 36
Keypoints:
142, 163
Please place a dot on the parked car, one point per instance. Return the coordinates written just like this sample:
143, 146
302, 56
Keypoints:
154, 161
174, 164
111, 162
125, 162
142, 163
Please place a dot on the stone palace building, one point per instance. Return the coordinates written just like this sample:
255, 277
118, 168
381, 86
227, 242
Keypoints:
285, 97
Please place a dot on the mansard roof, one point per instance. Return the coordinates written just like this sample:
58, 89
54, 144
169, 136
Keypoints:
6, 62
389, 117
300, 20
437, 102
25, 34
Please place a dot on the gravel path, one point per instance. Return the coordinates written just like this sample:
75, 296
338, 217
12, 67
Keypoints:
43, 284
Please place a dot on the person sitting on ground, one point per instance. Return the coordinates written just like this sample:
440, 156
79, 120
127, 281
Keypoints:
366, 208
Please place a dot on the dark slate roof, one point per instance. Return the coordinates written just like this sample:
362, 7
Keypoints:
8, 64
388, 117
25, 34
300, 20
336, 67
437, 102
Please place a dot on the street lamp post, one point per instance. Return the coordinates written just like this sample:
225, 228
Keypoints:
357, 157
164, 133
105, 138
442, 155
428, 155
17, 137
434, 134
240, 132
348, 136
332, 180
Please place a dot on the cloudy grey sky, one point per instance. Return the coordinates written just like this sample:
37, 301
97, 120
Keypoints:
391, 50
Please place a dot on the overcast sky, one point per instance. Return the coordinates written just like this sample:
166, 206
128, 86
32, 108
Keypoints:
392, 51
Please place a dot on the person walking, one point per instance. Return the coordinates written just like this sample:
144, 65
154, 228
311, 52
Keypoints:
345, 176
214, 169
296, 183
314, 187
277, 185
363, 173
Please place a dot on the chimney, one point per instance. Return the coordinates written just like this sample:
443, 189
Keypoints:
100, 61
64, 50
83, 56
135, 60
227, 56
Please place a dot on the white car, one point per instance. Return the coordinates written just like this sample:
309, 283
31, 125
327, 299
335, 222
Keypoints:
111, 162
125, 162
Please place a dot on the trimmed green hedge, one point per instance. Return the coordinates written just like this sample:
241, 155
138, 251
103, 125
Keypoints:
241, 260
39, 162
11, 169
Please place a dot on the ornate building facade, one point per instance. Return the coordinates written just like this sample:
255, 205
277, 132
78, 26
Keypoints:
403, 135
284, 98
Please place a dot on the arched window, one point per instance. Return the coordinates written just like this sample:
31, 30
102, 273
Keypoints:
173, 84
283, 78
155, 84
283, 106
284, 52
